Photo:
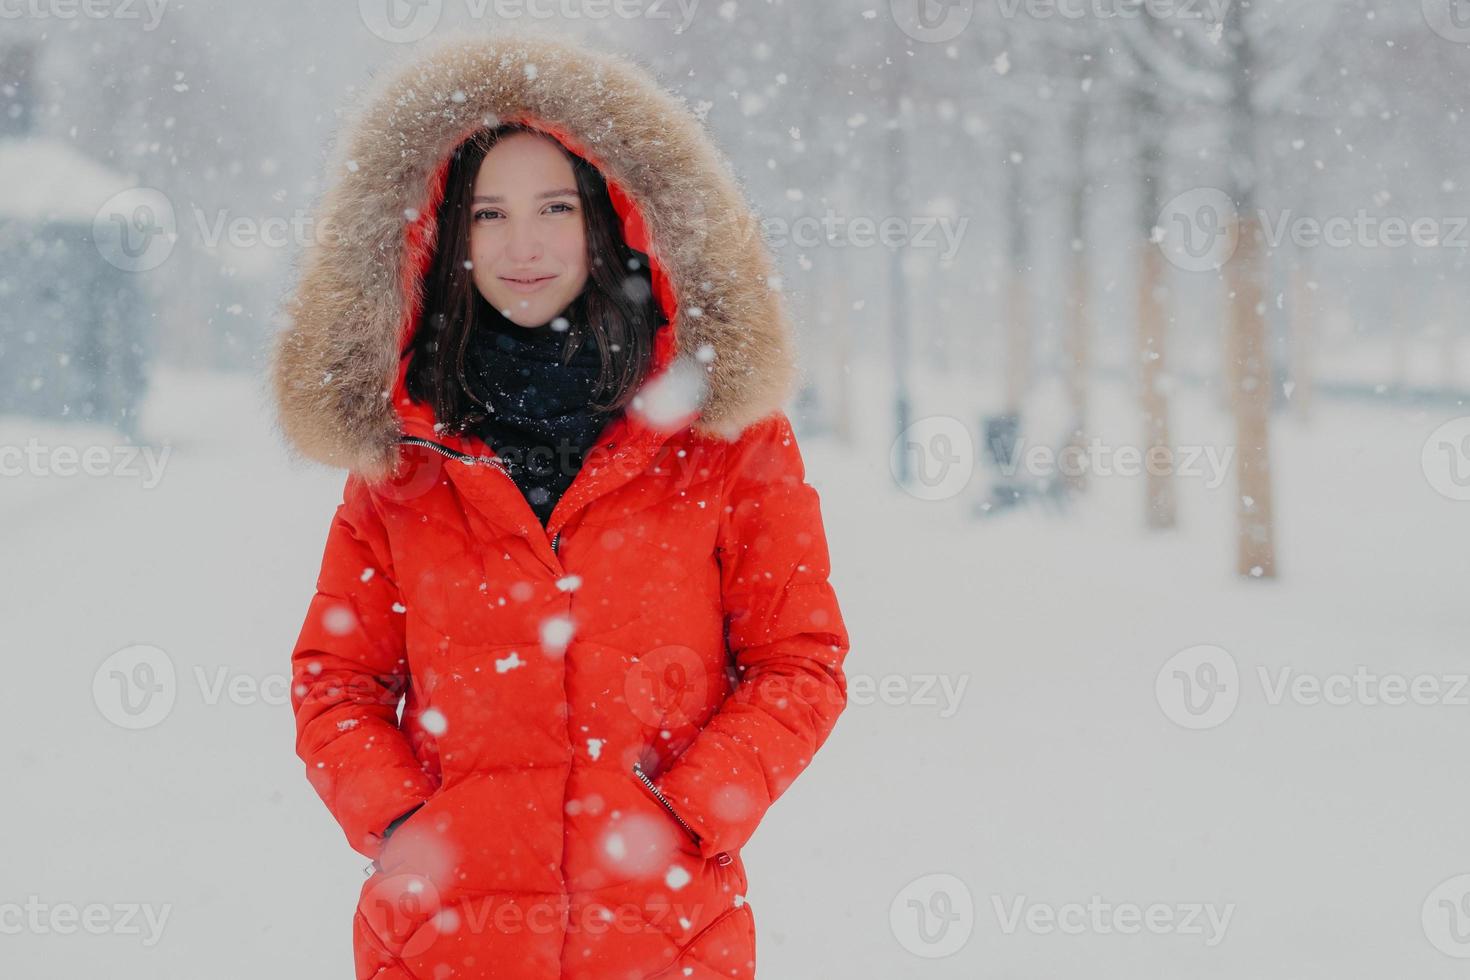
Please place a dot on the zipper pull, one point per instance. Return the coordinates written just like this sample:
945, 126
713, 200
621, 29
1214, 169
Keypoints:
724, 859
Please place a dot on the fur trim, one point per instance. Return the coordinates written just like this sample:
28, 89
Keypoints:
334, 365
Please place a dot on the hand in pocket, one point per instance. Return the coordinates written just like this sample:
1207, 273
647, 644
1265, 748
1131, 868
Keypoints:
398, 821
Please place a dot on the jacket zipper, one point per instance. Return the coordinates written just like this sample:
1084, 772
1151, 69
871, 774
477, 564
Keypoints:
723, 857
492, 461
454, 453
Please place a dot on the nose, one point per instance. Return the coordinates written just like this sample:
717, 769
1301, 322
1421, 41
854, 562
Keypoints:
524, 246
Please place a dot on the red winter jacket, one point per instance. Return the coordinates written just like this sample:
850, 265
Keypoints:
596, 715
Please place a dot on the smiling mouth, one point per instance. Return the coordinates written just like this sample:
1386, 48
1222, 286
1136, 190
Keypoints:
527, 282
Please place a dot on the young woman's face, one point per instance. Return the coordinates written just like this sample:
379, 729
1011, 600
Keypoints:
527, 225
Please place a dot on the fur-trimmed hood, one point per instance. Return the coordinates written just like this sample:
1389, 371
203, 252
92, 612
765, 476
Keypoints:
335, 368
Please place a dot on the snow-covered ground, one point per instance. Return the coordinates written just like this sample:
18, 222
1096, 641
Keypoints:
1005, 728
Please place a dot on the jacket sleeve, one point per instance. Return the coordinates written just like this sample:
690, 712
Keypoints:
786, 634
348, 672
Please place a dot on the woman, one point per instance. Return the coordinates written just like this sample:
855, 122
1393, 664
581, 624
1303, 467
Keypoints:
575, 536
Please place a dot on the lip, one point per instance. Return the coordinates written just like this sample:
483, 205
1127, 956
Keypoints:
526, 287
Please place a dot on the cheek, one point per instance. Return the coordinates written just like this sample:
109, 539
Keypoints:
483, 249
571, 249
483, 254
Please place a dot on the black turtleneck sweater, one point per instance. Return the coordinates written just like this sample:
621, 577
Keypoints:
541, 422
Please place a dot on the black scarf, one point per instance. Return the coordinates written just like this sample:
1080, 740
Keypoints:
540, 422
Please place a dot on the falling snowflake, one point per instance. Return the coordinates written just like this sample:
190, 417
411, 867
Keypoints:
339, 620
673, 395
434, 722
556, 633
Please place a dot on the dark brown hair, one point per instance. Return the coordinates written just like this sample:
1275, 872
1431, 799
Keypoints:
617, 306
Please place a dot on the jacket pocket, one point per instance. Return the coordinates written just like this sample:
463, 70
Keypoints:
401, 819
723, 859
380, 863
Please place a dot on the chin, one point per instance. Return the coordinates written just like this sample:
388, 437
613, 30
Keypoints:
539, 312
531, 316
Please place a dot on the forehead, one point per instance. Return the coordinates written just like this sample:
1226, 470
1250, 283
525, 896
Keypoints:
525, 162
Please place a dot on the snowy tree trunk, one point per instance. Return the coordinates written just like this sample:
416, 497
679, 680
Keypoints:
1078, 352
898, 294
1250, 387
1160, 510
1018, 295
1248, 360
1304, 321
1077, 346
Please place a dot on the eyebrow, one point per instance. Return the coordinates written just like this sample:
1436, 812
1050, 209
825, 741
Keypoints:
497, 199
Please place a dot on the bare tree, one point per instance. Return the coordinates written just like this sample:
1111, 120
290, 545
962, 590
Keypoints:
1160, 505
1077, 345
1249, 366
1245, 69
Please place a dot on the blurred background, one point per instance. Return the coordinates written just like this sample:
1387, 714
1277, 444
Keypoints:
1136, 358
